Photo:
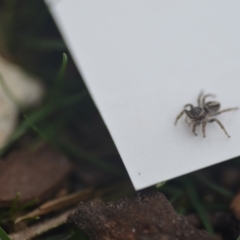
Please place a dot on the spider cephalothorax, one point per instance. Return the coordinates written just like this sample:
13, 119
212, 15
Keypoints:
203, 113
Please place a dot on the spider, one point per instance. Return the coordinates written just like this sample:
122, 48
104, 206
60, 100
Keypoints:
204, 113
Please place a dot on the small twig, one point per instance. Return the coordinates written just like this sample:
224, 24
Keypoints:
42, 227
58, 204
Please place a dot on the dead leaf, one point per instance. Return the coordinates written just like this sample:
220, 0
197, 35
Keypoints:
144, 216
33, 175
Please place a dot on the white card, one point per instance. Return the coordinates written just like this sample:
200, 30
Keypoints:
142, 61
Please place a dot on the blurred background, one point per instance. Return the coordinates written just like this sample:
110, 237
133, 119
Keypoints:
30, 39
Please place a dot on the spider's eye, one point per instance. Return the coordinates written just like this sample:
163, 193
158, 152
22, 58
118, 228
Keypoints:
212, 106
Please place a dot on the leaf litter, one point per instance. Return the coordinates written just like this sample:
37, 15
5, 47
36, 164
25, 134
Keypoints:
143, 216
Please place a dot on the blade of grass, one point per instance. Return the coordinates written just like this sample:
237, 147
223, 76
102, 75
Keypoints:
9, 20
172, 190
73, 150
216, 207
7, 214
76, 151
175, 193
196, 203
59, 80
51, 104
38, 116
44, 44
238, 237
58, 84
61, 73
175, 197
3, 235
14, 203
226, 193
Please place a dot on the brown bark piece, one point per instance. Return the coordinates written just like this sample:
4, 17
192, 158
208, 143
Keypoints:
32, 174
144, 216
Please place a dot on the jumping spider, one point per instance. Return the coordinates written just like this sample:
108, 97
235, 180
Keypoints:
203, 113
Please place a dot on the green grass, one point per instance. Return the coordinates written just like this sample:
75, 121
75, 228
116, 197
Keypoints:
72, 150
3, 235
54, 101
197, 204
218, 189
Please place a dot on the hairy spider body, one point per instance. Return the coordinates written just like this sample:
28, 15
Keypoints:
203, 113
196, 114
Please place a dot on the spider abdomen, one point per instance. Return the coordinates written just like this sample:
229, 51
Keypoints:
212, 107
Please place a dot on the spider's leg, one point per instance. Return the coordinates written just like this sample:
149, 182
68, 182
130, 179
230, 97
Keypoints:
190, 124
220, 124
225, 110
204, 98
199, 98
186, 119
203, 128
179, 116
194, 128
